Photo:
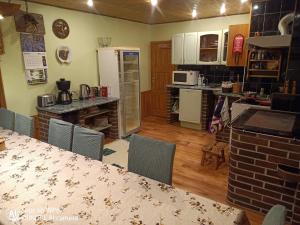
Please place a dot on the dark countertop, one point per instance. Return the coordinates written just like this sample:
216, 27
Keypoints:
195, 87
232, 95
77, 105
272, 122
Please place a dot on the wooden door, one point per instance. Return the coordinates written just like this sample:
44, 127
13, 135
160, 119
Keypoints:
161, 76
2, 97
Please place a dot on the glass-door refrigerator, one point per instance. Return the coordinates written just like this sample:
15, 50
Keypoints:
119, 70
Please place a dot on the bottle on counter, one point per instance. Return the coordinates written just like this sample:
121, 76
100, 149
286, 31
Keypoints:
294, 86
286, 87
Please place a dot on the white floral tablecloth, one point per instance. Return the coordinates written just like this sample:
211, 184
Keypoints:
41, 184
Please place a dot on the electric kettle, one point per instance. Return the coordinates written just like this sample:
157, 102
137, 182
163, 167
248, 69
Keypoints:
85, 91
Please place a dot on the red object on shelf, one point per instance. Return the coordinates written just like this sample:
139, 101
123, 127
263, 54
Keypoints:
104, 91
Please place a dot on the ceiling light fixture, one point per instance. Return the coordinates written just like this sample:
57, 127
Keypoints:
90, 3
154, 2
223, 9
243, 1
255, 7
194, 13
1, 17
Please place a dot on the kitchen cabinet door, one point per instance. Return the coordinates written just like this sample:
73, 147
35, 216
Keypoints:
177, 49
209, 48
224, 50
190, 102
190, 48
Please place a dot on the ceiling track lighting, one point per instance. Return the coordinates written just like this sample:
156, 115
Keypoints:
154, 3
90, 3
223, 9
255, 7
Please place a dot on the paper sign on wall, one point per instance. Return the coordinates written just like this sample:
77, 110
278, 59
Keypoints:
35, 60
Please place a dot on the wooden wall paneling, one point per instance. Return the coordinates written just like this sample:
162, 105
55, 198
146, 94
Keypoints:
2, 96
36, 127
233, 31
146, 102
142, 11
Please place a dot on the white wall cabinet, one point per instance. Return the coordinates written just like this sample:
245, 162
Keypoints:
190, 48
177, 49
209, 48
190, 102
202, 48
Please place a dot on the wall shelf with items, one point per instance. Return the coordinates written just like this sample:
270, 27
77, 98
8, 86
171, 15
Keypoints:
264, 63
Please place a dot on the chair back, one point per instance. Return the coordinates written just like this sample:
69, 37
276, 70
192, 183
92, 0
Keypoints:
88, 143
7, 119
151, 158
60, 134
24, 125
275, 216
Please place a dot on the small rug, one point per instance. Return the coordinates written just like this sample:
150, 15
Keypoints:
116, 153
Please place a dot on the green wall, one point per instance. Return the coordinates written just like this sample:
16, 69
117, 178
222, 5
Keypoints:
85, 28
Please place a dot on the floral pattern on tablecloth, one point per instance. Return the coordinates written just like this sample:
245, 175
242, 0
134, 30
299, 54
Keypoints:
42, 184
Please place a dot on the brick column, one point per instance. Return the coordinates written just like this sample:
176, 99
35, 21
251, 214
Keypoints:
254, 181
113, 120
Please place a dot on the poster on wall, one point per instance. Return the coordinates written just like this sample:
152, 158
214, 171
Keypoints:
30, 23
35, 60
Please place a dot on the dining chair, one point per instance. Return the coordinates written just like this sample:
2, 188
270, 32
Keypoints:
60, 134
275, 216
88, 143
151, 158
24, 125
7, 119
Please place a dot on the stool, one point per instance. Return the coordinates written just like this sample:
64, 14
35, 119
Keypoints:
216, 150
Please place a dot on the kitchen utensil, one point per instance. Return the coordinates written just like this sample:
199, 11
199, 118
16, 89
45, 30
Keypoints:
104, 91
46, 100
236, 88
85, 91
64, 96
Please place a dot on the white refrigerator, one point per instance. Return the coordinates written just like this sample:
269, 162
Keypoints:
119, 70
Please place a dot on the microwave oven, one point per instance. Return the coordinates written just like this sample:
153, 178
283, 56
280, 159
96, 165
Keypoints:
185, 77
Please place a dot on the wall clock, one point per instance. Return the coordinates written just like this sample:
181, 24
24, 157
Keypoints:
61, 28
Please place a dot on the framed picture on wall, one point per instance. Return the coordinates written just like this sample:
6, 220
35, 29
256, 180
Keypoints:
36, 76
30, 23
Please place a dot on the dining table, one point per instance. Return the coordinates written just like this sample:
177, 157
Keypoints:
43, 184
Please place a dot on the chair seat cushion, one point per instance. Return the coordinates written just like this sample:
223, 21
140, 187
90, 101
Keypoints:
276, 216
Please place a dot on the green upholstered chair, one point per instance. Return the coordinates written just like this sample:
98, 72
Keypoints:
88, 143
276, 216
151, 158
7, 119
24, 125
60, 134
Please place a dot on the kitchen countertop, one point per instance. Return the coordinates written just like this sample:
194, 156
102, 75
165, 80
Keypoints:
232, 95
272, 122
195, 87
77, 105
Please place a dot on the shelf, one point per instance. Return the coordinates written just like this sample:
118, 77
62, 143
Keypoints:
208, 48
175, 97
263, 70
97, 114
175, 113
264, 60
266, 76
100, 128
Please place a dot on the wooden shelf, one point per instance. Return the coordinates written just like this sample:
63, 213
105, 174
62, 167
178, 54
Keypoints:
97, 114
263, 70
263, 76
264, 60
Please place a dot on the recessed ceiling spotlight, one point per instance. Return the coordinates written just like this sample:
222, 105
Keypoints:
154, 2
255, 7
1, 17
243, 1
194, 13
90, 3
223, 9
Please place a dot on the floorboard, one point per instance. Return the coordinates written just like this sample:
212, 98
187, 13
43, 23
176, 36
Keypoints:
188, 174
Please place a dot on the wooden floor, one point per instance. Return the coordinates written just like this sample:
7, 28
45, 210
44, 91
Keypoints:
188, 174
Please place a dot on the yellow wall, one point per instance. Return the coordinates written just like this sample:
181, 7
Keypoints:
84, 30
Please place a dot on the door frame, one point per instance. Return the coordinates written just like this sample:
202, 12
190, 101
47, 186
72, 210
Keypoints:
2, 95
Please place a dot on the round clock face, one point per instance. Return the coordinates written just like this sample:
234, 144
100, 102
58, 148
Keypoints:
60, 28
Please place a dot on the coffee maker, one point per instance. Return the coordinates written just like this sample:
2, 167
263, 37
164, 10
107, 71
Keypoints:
64, 96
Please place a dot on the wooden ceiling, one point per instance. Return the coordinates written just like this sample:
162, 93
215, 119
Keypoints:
142, 11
